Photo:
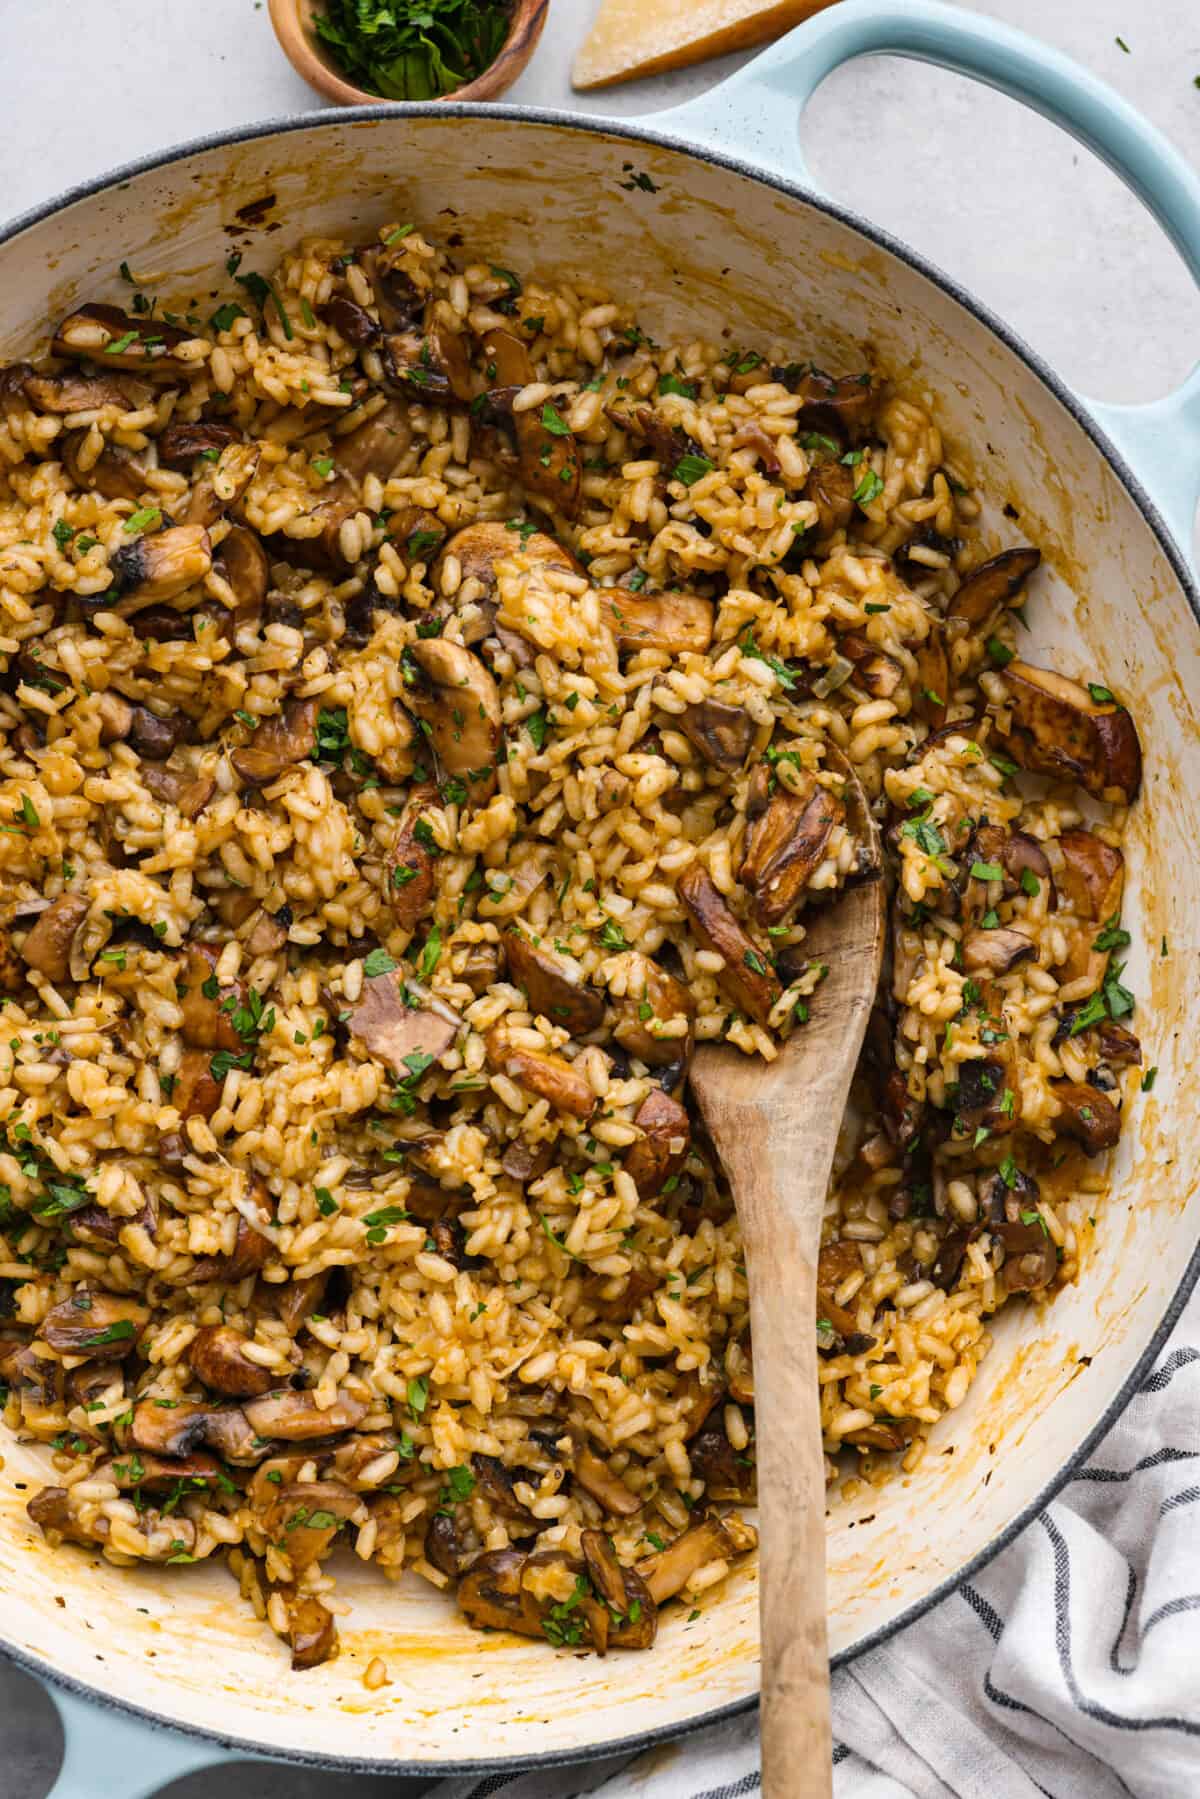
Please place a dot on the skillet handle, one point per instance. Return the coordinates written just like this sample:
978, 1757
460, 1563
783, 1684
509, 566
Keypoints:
107, 1752
757, 112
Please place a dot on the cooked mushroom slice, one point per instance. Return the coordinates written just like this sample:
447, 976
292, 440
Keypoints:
700, 1395
987, 1095
1118, 1046
216, 1356
311, 1630
411, 881
12, 971
547, 452
831, 487
594, 1477
641, 1031
51, 1510
1085, 1114
429, 364
725, 1473
746, 978
47, 947
179, 1429
115, 473
451, 691
491, 1595
835, 1263
996, 952
448, 1545
295, 1300
662, 1149
391, 1027
1059, 728
151, 736
632, 1618
179, 444
178, 787
158, 1474
250, 1251
479, 547
494, 1482
483, 966
278, 744
37, 1380
162, 566
785, 846
722, 734
1030, 1255
993, 584
94, 1325
553, 984
242, 563
548, 1076
376, 447
116, 339
353, 323
521, 1162
73, 391
306, 1517
886, 1434
931, 690
669, 1571
838, 405
296, 1417
207, 1009
1091, 883
880, 675
674, 622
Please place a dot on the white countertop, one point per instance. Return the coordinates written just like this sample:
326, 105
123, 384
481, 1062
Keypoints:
1015, 210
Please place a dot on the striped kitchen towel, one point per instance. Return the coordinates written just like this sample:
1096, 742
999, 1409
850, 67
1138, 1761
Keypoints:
1069, 1667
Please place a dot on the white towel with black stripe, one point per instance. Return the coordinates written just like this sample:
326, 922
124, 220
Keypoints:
1068, 1667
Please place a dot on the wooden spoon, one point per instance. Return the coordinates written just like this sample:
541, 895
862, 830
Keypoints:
775, 1126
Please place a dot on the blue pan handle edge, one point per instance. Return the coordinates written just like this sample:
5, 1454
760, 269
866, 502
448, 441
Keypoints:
756, 111
106, 1751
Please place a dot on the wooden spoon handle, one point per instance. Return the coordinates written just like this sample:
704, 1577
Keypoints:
796, 1741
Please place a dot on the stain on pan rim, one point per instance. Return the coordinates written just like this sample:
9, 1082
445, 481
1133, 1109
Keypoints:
637, 132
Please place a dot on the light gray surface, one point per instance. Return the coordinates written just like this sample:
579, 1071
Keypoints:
1016, 211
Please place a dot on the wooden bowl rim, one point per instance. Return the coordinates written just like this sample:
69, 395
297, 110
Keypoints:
289, 20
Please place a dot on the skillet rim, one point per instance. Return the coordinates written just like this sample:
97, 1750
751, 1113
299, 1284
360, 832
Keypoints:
643, 131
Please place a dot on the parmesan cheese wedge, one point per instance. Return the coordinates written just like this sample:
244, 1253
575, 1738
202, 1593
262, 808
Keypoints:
647, 37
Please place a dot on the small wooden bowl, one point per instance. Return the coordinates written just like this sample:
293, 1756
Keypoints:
293, 24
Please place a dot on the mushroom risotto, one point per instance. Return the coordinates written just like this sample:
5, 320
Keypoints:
432, 706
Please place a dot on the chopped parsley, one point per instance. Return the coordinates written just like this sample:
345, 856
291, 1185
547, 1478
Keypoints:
691, 468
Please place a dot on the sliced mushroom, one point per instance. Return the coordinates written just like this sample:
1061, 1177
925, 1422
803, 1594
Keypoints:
880, 675
153, 737
296, 1300
305, 1518
722, 734
458, 702
158, 1473
430, 364
390, 1027
112, 338
115, 473
483, 966
632, 1621
668, 1572
841, 405
411, 879
1057, 728
653, 999
835, 1263
951, 1254
71, 390
97, 1326
178, 787
554, 985
51, 1510
548, 454
449, 1546
180, 443
491, 1596
207, 1009
242, 563
1118, 1046
993, 584
36, 1379
1086, 1114
660, 1152
931, 693
353, 323
162, 566
595, 1478
251, 1249
725, 1473
378, 446
1030, 1256
886, 1434
311, 1630
278, 744
988, 1097
747, 978
178, 1429
47, 946
997, 951
495, 1483
831, 487
548, 1076
1091, 882
674, 622
296, 1417
216, 1357
784, 848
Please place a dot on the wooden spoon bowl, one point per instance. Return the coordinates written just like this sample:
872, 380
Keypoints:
294, 25
775, 1127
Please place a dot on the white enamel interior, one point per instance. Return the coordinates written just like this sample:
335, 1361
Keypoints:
716, 253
